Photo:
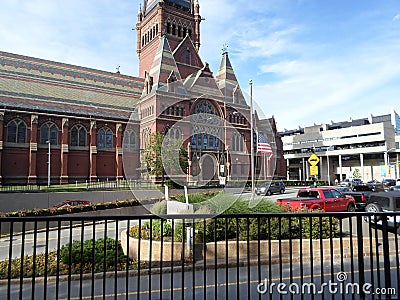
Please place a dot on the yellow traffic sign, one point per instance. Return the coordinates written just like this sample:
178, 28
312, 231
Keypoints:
313, 160
313, 170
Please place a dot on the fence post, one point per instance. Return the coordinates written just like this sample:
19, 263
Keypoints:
360, 250
386, 258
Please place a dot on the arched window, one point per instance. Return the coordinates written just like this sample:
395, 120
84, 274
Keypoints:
16, 131
187, 57
78, 136
49, 132
129, 140
105, 138
173, 29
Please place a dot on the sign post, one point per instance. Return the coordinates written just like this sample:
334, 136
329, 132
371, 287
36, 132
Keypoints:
313, 161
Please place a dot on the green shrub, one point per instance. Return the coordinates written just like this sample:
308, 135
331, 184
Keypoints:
159, 208
105, 250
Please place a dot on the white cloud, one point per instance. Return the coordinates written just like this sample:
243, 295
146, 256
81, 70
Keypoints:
396, 17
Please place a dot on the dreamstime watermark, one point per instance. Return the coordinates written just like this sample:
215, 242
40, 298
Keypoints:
338, 287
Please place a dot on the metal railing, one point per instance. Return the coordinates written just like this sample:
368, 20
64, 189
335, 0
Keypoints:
246, 256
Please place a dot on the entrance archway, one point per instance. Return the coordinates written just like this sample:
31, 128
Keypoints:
208, 165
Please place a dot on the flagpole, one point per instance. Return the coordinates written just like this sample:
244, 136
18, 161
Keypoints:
251, 140
265, 166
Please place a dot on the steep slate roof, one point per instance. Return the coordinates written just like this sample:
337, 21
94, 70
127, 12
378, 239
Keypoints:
39, 85
202, 83
227, 81
164, 66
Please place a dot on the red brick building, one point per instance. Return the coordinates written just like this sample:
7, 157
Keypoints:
90, 117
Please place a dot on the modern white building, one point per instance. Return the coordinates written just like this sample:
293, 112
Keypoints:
368, 148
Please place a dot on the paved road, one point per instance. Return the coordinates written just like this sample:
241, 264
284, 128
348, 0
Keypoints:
227, 283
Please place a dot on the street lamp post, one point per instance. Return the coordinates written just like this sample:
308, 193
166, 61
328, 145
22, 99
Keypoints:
48, 163
386, 158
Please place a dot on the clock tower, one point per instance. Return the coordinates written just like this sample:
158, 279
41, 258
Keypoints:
178, 20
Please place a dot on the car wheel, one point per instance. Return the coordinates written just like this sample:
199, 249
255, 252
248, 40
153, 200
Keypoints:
351, 208
373, 208
268, 193
282, 191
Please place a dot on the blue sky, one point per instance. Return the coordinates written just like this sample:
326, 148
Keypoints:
311, 61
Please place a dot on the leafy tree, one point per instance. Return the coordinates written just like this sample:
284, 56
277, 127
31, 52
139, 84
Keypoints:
356, 174
160, 156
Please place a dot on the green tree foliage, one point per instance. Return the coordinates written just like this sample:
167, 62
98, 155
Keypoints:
356, 173
160, 156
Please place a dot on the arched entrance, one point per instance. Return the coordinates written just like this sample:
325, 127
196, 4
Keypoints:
208, 164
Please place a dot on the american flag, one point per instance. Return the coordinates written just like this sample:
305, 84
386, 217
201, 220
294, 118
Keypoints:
263, 146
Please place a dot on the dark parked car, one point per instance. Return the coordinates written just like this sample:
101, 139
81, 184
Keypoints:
389, 182
269, 188
395, 188
384, 202
67, 203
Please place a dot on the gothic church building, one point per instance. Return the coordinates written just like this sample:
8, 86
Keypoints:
88, 118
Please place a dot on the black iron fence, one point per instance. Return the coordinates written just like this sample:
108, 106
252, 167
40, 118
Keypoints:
257, 256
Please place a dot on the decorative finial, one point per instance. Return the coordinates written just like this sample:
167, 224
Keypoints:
225, 48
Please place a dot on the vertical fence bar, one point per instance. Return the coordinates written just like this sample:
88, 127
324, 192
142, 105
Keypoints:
378, 264
105, 259
139, 258
34, 259
117, 262
183, 258
10, 251
128, 259
172, 260
21, 269
269, 253
194, 253
280, 252
321, 251
81, 260
396, 243
161, 257
58, 258
93, 258
371, 250
248, 257
46, 260
360, 246
301, 254
215, 260
386, 253
290, 254
205, 260
331, 251
311, 251
351, 251
150, 254
69, 259
226, 260
237, 258
258, 253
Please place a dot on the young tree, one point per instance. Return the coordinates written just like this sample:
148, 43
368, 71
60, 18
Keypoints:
356, 173
165, 156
